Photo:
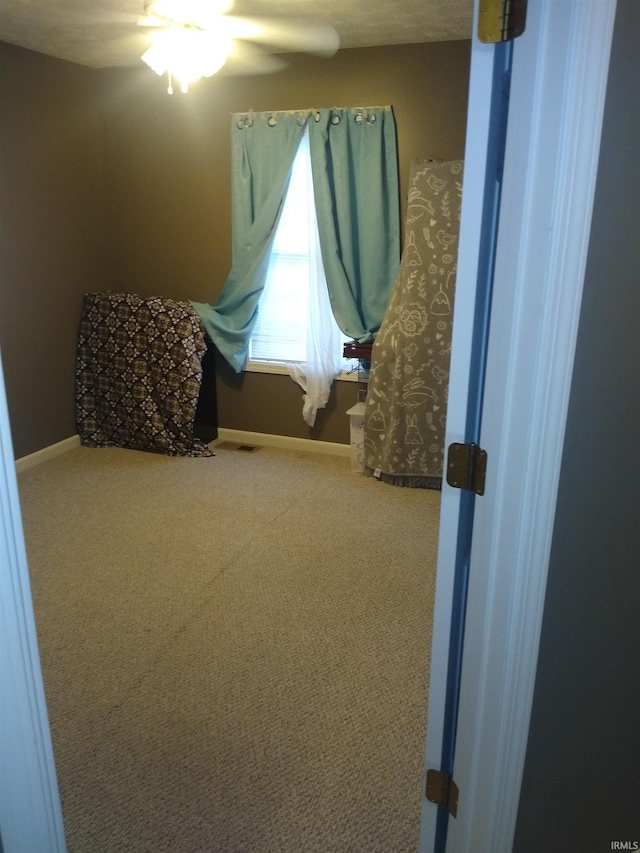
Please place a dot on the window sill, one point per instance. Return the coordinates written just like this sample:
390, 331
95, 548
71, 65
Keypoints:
273, 367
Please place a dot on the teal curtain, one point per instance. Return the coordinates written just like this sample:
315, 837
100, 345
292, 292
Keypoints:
263, 147
355, 176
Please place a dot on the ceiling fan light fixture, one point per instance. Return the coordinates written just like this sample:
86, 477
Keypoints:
187, 53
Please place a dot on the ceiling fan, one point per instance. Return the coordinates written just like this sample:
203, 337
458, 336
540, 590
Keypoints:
191, 39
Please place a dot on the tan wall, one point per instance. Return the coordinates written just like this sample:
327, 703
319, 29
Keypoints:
51, 236
167, 165
166, 193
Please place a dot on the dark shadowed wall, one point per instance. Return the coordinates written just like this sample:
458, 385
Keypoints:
167, 162
52, 236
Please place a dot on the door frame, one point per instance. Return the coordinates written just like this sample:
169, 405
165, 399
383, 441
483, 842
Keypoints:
30, 811
558, 88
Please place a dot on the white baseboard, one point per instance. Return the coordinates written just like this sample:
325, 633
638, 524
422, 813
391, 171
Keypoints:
285, 442
47, 453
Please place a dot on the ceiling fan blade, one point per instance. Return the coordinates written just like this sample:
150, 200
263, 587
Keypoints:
245, 59
199, 13
151, 21
289, 35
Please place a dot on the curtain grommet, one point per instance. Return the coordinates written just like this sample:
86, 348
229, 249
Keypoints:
372, 118
301, 120
335, 119
317, 117
271, 121
358, 118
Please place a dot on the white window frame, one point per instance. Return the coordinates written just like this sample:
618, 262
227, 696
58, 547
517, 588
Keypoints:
351, 368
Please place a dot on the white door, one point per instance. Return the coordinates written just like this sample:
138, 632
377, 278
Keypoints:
557, 95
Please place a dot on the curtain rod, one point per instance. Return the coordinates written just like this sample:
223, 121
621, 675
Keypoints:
306, 110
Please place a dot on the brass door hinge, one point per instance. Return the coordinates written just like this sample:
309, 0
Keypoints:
501, 20
467, 467
443, 791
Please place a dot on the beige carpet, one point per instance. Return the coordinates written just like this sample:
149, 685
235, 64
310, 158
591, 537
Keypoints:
235, 650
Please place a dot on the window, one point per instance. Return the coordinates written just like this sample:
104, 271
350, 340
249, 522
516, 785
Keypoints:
295, 267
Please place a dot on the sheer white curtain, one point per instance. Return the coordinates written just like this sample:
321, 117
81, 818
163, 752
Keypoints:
323, 360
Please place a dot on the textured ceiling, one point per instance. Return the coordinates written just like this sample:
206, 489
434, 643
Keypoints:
103, 33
